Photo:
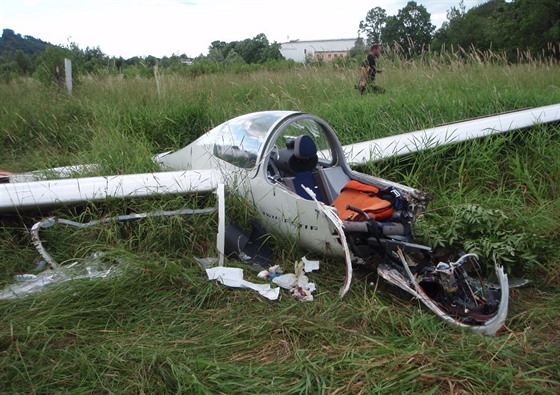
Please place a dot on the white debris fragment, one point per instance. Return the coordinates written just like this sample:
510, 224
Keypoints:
331, 215
271, 273
286, 281
233, 277
276, 269
297, 283
310, 266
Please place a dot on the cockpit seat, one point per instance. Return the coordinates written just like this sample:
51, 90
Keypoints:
299, 155
297, 162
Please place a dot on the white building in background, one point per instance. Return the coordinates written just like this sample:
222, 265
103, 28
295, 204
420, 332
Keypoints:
325, 50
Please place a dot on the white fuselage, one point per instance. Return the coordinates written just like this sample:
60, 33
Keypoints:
280, 210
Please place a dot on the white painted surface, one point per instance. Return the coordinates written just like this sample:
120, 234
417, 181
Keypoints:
76, 190
406, 143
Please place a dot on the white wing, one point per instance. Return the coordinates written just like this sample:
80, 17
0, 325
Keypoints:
30, 195
22, 195
403, 144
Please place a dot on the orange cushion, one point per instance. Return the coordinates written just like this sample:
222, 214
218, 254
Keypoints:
363, 197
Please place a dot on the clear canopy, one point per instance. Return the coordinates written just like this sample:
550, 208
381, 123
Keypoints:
239, 141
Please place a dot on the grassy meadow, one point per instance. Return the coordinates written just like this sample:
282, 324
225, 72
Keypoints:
159, 326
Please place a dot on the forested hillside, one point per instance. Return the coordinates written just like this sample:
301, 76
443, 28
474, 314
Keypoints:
11, 42
515, 31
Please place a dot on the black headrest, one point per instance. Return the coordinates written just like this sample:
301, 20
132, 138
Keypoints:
299, 156
304, 147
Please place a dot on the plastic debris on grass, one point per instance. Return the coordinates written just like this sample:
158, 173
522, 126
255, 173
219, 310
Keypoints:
93, 267
27, 284
233, 277
297, 283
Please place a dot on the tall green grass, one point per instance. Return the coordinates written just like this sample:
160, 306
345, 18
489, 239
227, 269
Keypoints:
161, 327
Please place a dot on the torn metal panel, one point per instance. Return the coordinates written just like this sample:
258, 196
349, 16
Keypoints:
491, 324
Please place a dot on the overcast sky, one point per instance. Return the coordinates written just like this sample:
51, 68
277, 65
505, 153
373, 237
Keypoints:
160, 28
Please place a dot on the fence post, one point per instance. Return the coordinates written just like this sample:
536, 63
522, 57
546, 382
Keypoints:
68, 74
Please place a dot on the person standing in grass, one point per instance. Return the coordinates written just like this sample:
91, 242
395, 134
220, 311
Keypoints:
370, 70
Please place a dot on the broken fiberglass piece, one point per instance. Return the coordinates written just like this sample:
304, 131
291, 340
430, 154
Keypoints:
233, 277
332, 216
49, 222
30, 283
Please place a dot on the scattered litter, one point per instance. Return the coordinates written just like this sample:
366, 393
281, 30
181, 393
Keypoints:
233, 277
287, 281
297, 283
272, 272
310, 266
206, 263
27, 284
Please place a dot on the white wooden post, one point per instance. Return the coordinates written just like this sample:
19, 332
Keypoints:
68, 74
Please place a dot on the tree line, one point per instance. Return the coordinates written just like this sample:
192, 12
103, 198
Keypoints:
530, 26
508, 27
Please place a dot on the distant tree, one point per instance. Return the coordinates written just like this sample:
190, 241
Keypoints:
358, 49
411, 28
215, 54
89, 60
533, 25
151, 60
218, 50
51, 67
251, 49
481, 27
255, 50
234, 58
175, 62
23, 62
453, 30
503, 26
372, 26
119, 63
272, 52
